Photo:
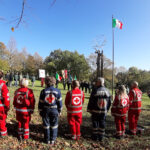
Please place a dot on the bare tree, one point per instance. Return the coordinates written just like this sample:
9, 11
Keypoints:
12, 51
92, 58
19, 19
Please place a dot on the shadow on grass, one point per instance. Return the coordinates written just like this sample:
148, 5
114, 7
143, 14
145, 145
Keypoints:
36, 130
86, 128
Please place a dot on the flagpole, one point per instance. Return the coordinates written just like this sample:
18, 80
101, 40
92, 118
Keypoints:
113, 54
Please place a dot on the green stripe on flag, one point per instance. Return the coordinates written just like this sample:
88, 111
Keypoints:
57, 76
114, 23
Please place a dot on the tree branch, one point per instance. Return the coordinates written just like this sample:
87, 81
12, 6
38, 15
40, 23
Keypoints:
53, 2
21, 15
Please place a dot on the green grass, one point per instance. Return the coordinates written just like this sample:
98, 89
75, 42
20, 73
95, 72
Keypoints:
63, 143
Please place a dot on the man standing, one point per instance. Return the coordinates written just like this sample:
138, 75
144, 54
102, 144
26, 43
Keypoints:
10, 79
33, 80
69, 82
74, 101
4, 105
16, 78
50, 107
98, 106
135, 96
64, 83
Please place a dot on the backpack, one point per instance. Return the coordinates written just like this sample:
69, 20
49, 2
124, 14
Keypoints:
22, 99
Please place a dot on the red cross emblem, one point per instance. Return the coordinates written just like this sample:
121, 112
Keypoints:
76, 101
20, 99
101, 103
124, 102
50, 98
139, 95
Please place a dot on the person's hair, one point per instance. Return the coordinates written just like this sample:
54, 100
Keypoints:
101, 80
75, 84
24, 82
135, 83
1, 74
50, 81
122, 90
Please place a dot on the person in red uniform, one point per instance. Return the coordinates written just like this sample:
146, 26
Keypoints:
119, 111
74, 101
24, 103
42, 82
135, 97
4, 105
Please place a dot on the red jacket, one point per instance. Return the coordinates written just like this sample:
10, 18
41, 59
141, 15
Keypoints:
24, 100
120, 106
4, 96
74, 101
135, 97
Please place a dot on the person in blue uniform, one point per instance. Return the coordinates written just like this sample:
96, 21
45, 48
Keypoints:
50, 107
98, 106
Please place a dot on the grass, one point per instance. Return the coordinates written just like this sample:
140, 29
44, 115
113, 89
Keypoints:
141, 142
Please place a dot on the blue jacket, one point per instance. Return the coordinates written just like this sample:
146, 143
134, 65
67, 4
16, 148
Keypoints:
100, 101
50, 101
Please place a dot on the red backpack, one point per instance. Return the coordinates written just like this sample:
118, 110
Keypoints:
22, 99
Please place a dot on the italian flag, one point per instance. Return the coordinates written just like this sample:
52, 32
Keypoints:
117, 24
58, 77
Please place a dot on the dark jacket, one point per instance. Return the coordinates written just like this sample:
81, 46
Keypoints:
50, 101
100, 101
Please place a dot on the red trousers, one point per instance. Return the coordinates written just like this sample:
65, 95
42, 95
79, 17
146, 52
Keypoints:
75, 123
133, 117
3, 129
23, 125
120, 125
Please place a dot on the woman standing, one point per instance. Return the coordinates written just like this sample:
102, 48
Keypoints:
119, 110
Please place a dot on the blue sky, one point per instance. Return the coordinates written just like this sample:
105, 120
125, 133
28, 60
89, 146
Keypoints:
74, 24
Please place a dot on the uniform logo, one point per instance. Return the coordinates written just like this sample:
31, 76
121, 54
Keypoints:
101, 103
50, 98
124, 102
20, 99
139, 95
76, 101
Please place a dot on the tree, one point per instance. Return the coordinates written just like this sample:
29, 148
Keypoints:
3, 61
11, 56
75, 63
20, 19
30, 65
38, 62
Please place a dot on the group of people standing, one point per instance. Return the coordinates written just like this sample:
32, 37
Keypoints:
50, 108
16, 77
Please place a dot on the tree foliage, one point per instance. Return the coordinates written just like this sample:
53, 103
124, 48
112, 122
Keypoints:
135, 74
75, 63
18, 61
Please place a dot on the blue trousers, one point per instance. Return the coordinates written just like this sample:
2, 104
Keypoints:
50, 125
98, 121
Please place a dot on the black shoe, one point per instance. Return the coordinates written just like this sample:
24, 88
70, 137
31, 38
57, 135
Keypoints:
119, 137
20, 138
100, 139
95, 138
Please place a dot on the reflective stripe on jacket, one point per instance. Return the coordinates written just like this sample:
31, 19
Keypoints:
135, 97
74, 101
120, 106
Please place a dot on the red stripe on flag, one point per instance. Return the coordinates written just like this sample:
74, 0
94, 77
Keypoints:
120, 24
